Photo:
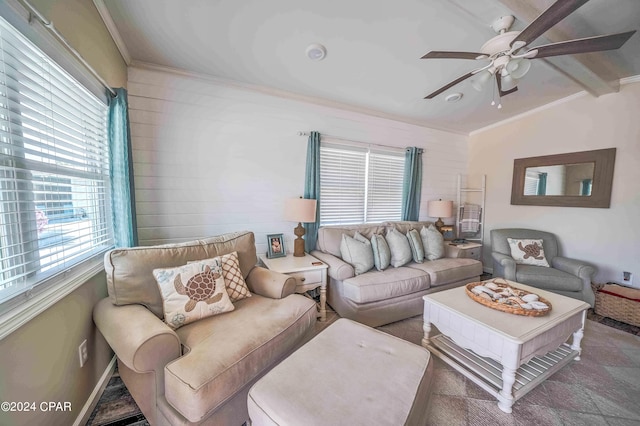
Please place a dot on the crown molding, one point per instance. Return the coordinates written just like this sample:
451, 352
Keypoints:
290, 95
113, 30
630, 80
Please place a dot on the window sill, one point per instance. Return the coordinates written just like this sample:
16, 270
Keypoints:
15, 318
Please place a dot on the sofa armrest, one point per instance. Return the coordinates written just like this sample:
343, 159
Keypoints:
503, 266
574, 267
271, 284
138, 337
451, 251
338, 268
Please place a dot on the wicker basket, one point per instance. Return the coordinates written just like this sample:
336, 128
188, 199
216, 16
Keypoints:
616, 307
517, 310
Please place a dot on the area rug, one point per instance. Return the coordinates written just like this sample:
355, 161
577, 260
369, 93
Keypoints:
603, 388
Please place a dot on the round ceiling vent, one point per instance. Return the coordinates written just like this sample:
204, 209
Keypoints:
316, 52
454, 97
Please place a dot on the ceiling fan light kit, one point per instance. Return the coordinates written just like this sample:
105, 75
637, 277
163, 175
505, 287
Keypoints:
510, 60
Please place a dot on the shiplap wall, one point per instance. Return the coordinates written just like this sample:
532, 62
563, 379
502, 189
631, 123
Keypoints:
211, 157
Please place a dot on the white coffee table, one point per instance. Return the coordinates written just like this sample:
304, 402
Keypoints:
505, 354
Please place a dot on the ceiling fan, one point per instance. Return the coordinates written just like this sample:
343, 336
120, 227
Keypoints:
508, 55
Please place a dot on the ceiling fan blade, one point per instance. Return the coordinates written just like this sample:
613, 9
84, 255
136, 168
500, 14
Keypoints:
547, 19
452, 55
453, 83
501, 92
583, 45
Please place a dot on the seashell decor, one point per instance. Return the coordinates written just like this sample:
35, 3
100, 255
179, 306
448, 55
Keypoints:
501, 296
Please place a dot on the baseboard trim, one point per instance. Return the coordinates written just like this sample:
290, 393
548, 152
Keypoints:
91, 403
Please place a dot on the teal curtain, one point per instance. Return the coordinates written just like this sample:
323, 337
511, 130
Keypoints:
412, 184
312, 188
121, 172
586, 187
542, 184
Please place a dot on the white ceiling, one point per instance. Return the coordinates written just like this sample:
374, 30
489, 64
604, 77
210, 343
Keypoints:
373, 50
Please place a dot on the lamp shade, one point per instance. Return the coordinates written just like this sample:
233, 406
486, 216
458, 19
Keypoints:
481, 79
517, 68
301, 210
439, 208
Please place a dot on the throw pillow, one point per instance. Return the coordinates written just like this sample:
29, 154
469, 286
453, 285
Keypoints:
399, 246
357, 252
192, 292
415, 242
433, 242
527, 252
381, 252
236, 286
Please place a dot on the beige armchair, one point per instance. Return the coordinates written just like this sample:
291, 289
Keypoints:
200, 373
569, 277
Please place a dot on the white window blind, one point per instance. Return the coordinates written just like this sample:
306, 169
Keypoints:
359, 185
54, 170
531, 180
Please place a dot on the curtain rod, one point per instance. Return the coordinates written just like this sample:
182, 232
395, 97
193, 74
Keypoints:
301, 133
49, 26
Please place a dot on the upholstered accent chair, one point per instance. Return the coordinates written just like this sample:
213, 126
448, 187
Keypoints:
569, 277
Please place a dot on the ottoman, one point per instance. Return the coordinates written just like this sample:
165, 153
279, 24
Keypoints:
348, 374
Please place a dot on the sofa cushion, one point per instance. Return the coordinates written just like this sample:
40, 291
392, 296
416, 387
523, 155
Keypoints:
233, 280
130, 270
527, 251
330, 237
192, 292
446, 270
400, 248
415, 242
357, 252
387, 284
548, 278
224, 353
381, 252
433, 242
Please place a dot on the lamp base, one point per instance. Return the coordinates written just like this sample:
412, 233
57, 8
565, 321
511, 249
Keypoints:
298, 243
439, 224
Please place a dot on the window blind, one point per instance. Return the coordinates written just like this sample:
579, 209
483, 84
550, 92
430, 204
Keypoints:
359, 185
54, 169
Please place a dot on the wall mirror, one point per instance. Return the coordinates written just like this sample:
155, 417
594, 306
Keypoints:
576, 179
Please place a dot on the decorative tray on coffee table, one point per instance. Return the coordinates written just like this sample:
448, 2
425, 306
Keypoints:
498, 294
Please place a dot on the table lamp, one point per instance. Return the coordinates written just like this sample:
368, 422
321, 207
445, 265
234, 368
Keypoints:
301, 210
440, 209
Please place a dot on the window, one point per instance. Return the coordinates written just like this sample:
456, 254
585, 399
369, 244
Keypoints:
54, 171
360, 185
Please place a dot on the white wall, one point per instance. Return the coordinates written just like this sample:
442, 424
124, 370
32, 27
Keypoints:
211, 158
609, 238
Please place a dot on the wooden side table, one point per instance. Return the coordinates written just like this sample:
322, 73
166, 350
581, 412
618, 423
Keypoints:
468, 250
309, 272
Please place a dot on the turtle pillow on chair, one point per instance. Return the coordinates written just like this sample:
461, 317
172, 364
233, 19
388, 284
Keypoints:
527, 252
192, 292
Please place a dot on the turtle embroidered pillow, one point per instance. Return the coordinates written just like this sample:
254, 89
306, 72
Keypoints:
527, 252
192, 292
236, 286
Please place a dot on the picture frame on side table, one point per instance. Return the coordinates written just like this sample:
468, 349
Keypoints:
275, 246
447, 232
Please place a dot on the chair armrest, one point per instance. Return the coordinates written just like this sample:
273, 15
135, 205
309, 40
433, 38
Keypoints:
271, 284
338, 268
575, 267
505, 264
139, 338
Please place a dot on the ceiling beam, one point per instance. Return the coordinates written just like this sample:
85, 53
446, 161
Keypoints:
592, 71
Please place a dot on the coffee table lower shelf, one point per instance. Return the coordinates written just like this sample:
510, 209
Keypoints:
487, 373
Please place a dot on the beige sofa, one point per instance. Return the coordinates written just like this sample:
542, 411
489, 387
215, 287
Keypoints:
200, 373
377, 297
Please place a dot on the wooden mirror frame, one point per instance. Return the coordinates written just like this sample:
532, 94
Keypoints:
600, 197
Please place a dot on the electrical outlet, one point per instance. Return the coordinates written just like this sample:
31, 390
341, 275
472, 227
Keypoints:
83, 354
627, 278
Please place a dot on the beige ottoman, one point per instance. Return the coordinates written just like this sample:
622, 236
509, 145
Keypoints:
349, 374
